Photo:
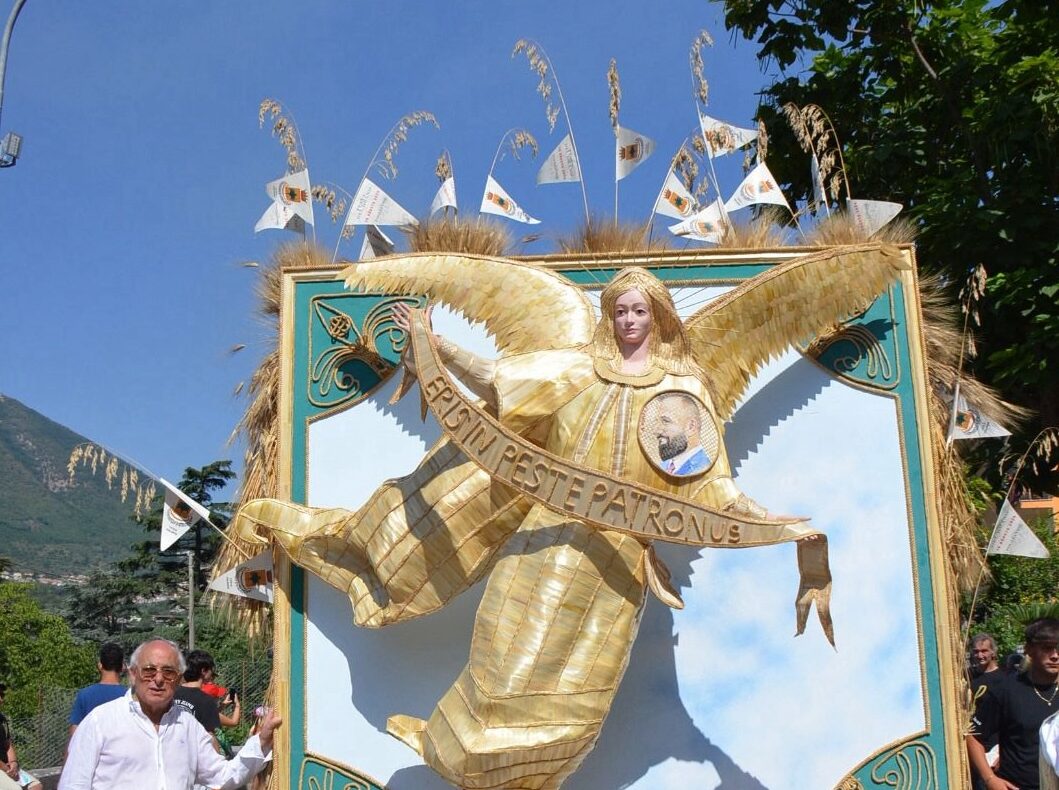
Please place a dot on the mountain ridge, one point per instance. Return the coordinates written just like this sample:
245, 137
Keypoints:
52, 524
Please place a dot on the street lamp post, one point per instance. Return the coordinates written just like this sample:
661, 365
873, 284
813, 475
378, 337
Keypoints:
11, 144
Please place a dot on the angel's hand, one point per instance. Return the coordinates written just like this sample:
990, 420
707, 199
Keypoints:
402, 316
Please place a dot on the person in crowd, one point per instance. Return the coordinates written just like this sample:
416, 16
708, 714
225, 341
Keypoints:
111, 665
1012, 711
189, 694
145, 740
984, 670
12, 777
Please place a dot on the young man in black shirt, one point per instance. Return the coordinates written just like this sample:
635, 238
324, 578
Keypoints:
190, 695
1012, 711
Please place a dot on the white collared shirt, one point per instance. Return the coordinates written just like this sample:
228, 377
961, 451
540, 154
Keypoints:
117, 746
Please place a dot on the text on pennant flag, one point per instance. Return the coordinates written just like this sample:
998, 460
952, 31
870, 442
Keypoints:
871, 215
1012, 535
970, 423
561, 164
372, 206
446, 196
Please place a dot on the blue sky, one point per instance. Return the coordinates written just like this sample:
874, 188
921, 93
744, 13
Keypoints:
127, 218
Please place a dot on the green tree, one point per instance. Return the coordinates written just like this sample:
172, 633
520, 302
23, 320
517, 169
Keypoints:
950, 107
38, 651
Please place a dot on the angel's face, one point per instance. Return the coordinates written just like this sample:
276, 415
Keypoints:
632, 318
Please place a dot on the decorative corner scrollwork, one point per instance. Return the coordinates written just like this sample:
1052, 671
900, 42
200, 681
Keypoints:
864, 350
910, 766
317, 775
347, 361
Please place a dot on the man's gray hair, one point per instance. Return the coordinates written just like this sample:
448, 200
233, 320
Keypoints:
135, 660
984, 637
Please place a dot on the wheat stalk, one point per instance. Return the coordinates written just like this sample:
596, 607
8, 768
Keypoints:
698, 69
327, 194
285, 129
816, 135
614, 82
93, 457
398, 134
540, 64
443, 168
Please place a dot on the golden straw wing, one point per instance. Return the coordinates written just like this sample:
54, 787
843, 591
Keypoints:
524, 307
735, 335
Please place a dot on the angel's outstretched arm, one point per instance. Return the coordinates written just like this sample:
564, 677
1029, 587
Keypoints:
475, 372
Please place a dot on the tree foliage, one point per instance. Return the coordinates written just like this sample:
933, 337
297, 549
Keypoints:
37, 651
950, 107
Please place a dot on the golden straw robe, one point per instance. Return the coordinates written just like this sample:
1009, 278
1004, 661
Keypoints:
556, 624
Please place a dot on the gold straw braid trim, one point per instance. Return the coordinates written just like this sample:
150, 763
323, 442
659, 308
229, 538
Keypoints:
594, 422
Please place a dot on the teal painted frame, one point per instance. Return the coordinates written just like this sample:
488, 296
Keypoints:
926, 759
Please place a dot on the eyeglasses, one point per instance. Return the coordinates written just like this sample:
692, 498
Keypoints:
169, 674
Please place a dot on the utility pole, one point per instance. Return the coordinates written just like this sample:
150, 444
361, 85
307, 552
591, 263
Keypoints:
11, 144
191, 600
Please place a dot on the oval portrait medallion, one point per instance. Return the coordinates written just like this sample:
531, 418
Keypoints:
678, 434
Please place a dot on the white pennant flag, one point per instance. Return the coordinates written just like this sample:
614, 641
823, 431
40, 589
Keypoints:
1012, 535
292, 204
969, 423
819, 196
372, 206
446, 196
630, 151
179, 514
706, 225
375, 244
723, 138
675, 200
758, 187
250, 579
561, 164
871, 215
497, 201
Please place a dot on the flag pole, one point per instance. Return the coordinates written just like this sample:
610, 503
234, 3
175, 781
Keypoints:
569, 127
367, 170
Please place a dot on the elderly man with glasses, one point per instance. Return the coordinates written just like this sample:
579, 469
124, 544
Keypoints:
143, 740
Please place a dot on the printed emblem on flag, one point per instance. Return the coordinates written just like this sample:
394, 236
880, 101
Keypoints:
500, 201
966, 420
679, 202
704, 227
181, 511
292, 194
252, 579
720, 138
631, 152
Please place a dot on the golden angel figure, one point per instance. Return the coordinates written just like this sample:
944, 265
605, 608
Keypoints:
638, 400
